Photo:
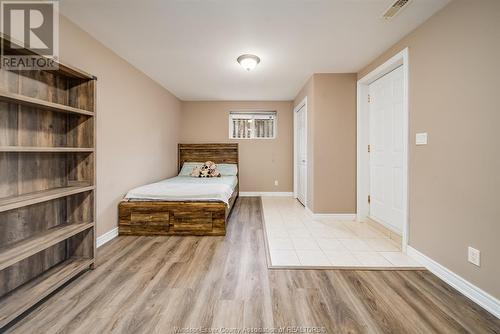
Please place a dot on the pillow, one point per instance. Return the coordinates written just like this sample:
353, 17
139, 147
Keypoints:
228, 169
208, 169
187, 168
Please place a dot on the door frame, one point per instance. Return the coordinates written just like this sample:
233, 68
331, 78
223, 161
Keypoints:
363, 166
301, 104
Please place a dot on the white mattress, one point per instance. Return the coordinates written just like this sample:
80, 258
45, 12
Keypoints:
186, 188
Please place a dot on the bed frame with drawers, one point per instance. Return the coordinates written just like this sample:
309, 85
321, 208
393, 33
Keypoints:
150, 218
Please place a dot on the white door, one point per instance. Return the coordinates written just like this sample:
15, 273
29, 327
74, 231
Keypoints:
301, 155
387, 150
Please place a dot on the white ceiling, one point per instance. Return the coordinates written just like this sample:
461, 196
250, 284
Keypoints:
190, 46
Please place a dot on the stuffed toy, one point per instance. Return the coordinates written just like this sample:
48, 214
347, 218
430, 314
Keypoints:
196, 171
208, 169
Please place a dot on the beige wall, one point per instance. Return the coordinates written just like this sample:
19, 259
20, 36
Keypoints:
331, 110
454, 181
137, 122
334, 143
261, 160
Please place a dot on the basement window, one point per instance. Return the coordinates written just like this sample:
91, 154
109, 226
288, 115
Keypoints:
252, 124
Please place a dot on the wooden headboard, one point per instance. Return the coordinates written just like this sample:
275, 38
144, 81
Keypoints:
218, 153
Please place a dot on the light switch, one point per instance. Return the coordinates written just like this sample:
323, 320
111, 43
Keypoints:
421, 138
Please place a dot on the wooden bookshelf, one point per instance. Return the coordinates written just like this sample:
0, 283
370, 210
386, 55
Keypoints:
45, 149
47, 182
41, 104
15, 202
41, 241
16, 303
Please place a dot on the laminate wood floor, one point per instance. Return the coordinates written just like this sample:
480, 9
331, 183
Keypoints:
158, 284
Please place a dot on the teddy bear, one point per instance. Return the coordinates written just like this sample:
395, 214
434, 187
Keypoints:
196, 172
208, 169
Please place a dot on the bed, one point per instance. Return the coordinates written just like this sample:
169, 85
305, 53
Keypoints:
175, 206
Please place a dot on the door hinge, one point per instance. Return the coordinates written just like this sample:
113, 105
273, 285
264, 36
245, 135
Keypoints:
369, 148
369, 199
369, 98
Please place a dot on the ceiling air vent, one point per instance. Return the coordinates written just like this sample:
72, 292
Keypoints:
395, 8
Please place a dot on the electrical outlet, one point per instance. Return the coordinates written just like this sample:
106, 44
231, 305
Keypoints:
474, 256
421, 138
276, 182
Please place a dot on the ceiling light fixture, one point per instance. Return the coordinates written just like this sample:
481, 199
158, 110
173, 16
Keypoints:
248, 61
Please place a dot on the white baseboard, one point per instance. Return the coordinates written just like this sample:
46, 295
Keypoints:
381, 223
480, 297
335, 216
265, 193
108, 236
332, 216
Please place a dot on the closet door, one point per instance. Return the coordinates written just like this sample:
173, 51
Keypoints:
387, 150
301, 160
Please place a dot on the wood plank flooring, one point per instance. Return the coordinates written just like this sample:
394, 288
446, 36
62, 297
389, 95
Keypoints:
155, 284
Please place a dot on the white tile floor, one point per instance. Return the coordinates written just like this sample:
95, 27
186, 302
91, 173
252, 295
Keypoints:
295, 239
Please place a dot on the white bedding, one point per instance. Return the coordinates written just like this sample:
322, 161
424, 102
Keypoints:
186, 188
